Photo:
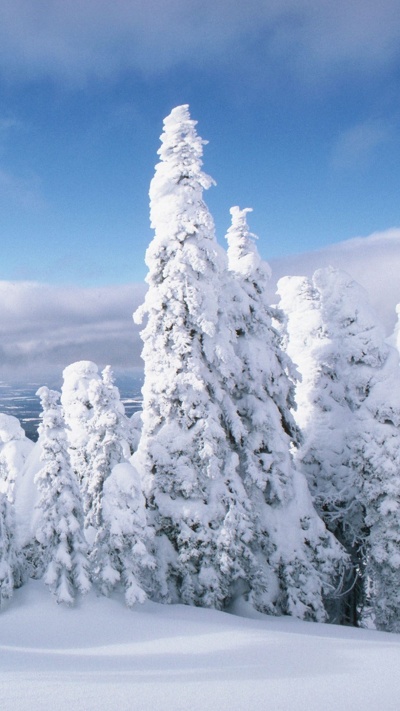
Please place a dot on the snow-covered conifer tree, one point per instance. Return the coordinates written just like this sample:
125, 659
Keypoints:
59, 532
8, 558
112, 551
349, 411
124, 539
14, 450
108, 432
87, 395
376, 458
325, 405
394, 338
78, 411
135, 430
188, 466
300, 556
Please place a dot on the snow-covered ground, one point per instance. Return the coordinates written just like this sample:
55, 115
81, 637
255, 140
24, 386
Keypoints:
100, 656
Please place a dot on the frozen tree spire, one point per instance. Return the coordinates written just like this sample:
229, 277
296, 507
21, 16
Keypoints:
243, 256
176, 191
60, 528
298, 554
189, 469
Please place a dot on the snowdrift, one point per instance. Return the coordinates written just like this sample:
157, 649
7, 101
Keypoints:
101, 656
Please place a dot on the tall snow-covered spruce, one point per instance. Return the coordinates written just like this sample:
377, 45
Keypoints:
349, 410
301, 559
188, 468
325, 414
203, 483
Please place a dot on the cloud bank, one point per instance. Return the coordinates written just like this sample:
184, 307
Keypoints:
373, 261
80, 39
45, 328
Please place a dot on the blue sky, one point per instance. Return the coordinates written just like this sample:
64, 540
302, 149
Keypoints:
299, 102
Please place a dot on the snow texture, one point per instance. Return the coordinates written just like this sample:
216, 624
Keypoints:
101, 656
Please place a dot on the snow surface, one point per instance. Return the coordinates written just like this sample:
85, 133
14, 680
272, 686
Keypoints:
101, 656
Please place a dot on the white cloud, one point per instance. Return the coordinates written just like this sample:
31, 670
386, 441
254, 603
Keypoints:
44, 328
373, 261
83, 38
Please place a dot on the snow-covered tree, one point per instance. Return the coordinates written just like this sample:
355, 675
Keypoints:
125, 536
108, 432
376, 458
88, 395
301, 558
135, 429
349, 411
107, 447
185, 457
14, 450
59, 530
394, 338
78, 411
8, 557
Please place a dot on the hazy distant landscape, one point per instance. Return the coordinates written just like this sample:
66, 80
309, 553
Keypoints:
21, 401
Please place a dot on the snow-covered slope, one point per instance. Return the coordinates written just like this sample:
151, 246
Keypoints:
101, 656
